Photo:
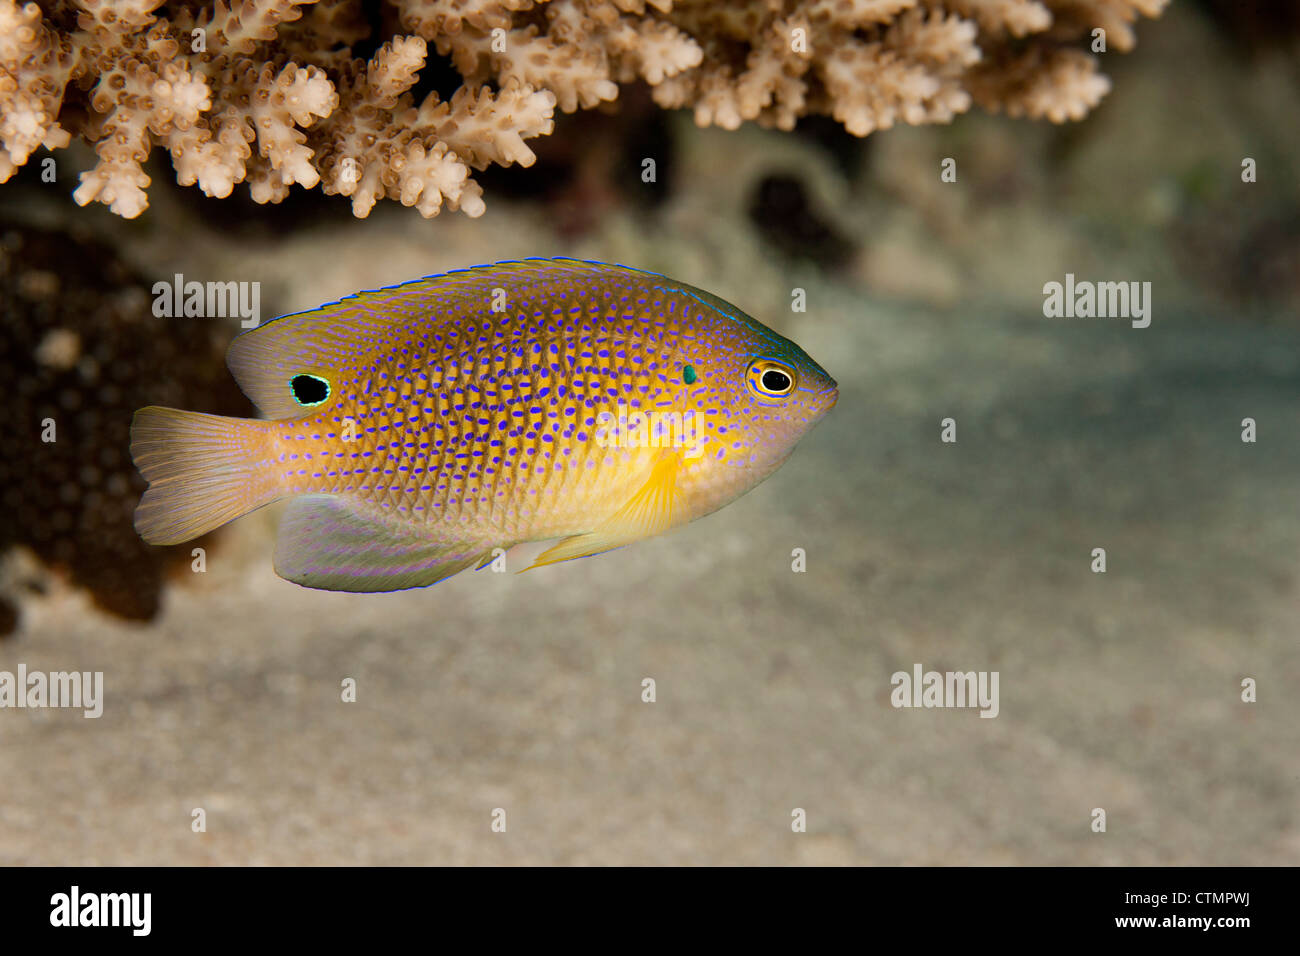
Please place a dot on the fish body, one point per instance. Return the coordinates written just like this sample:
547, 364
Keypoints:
418, 428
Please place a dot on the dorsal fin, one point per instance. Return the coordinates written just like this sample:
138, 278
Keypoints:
340, 336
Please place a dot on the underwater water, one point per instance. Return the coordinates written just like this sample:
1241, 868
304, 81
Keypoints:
774, 688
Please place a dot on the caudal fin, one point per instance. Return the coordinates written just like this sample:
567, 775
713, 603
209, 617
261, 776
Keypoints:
203, 471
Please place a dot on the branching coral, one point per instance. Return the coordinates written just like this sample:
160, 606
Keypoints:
269, 93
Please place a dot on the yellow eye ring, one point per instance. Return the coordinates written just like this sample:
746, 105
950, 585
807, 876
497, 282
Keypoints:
769, 379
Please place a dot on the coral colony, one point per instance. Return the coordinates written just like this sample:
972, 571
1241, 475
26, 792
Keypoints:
80, 349
268, 93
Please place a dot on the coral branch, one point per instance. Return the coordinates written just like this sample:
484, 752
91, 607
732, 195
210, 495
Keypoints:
269, 93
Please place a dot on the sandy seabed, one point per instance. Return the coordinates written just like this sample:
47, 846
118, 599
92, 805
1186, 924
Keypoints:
524, 692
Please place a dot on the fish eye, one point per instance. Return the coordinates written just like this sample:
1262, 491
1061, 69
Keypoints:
774, 380
309, 390
770, 379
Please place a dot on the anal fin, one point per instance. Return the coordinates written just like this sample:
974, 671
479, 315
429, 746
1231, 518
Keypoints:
330, 543
653, 509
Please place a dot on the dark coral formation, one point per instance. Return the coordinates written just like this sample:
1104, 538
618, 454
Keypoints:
81, 347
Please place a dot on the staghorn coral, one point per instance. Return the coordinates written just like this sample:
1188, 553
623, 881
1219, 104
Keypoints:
269, 93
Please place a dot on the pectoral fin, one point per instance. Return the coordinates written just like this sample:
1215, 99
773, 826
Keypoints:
656, 507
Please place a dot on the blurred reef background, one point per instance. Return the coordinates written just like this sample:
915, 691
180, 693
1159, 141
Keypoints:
924, 299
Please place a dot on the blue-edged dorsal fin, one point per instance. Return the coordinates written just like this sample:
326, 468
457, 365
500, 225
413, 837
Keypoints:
339, 337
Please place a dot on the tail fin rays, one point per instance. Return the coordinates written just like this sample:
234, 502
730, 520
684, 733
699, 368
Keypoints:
203, 471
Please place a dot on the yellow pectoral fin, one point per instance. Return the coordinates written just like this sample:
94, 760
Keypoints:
656, 507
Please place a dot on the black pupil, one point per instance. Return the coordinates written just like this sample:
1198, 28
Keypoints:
309, 389
775, 381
